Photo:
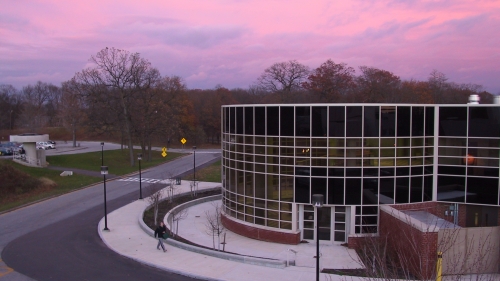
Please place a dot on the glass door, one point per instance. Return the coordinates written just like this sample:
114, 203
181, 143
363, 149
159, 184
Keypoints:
339, 222
308, 225
323, 216
325, 223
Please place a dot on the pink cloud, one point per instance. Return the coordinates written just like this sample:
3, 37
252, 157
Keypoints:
231, 42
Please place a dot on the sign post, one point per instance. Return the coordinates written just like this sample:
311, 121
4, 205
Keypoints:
183, 141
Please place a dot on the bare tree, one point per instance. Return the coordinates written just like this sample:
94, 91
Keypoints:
118, 78
178, 215
214, 225
284, 79
35, 99
71, 110
154, 199
171, 189
10, 102
193, 185
405, 253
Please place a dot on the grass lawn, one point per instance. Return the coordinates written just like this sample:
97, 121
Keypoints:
64, 185
118, 161
209, 174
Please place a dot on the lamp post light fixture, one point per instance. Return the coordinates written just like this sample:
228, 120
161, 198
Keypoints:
102, 153
317, 200
139, 158
104, 172
194, 163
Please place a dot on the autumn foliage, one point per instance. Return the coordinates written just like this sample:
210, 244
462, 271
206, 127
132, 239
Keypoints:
126, 97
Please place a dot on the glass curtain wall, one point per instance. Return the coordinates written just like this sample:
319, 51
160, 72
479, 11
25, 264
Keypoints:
355, 155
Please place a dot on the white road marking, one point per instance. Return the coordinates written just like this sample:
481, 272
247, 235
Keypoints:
145, 180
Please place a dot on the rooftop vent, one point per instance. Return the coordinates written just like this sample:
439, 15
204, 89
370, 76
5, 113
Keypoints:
496, 100
474, 99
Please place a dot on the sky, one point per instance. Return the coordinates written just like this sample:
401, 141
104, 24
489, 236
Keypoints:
230, 43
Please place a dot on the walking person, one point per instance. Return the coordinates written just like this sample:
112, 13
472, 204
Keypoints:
161, 233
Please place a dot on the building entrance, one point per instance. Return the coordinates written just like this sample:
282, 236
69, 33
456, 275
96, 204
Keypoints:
331, 220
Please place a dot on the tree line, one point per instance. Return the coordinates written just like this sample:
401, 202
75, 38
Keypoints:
124, 95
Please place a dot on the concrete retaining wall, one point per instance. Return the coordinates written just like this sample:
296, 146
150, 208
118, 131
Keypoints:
204, 251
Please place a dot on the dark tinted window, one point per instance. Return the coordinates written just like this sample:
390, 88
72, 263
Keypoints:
371, 121
232, 123
354, 121
429, 121
427, 188
260, 121
287, 121
336, 191
484, 122
336, 172
451, 189
226, 120
302, 121
319, 121
386, 191
386, 172
239, 120
318, 172
451, 170
403, 123
353, 191
402, 190
273, 119
302, 190
453, 121
337, 121
482, 190
417, 121
353, 172
416, 189
388, 121
370, 191
318, 186
249, 120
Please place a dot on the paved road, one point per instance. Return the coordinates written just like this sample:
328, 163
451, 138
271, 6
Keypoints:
57, 239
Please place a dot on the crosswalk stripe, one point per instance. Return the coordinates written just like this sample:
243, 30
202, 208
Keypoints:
144, 180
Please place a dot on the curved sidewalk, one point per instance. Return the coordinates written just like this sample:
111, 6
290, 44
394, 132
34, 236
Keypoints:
127, 238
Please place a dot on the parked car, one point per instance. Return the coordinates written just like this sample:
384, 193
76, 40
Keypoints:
12, 145
5, 151
45, 145
52, 142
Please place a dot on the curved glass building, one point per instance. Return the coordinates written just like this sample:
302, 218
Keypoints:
358, 156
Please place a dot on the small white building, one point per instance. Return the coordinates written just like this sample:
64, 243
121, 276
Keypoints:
33, 157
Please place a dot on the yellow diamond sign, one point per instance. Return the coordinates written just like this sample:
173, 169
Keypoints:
164, 152
183, 141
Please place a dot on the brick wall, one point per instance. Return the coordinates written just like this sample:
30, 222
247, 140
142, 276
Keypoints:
259, 233
415, 249
354, 242
436, 208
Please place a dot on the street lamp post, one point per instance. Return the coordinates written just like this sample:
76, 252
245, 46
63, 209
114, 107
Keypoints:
317, 200
102, 153
11, 119
104, 172
194, 163
139, 157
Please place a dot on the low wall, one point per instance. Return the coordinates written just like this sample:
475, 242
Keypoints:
204, 251
260, 233
470, 250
